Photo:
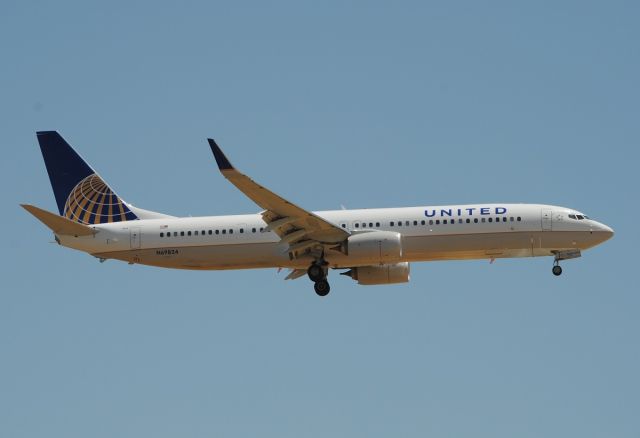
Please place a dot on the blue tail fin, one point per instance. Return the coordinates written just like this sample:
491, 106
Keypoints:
81, 194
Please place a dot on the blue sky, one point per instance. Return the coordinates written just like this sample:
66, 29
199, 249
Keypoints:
364, 104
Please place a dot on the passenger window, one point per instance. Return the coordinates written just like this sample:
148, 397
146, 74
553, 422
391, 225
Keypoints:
519, 219
224, 231
182, 233
407, 223
231, 231
490, 219
203, 233
415, 222
484, 219
430, 221
261, 228
504, 219
468, 220
161, 234
175, 234
210, 232
437, 221
459, 221
444, 221
196, 232
511, 219
364, 225
475, 220
377, 224
217, 231
370, 224
391, 223
241, 230
357, 225
399, 223
422, 222
343, 226
188, 233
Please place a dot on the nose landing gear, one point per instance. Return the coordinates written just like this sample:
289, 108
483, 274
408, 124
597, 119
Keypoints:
317, 273
563, 255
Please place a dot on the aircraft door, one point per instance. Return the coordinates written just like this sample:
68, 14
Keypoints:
136, 237
547, 219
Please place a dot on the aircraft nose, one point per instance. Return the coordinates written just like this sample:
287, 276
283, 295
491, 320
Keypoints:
604, 230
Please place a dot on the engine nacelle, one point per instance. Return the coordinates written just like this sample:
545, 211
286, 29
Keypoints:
376, 247
384, 274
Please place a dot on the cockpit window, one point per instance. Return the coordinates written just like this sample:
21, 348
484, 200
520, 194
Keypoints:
578, 216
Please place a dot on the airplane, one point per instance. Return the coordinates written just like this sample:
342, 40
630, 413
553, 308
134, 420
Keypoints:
374, 246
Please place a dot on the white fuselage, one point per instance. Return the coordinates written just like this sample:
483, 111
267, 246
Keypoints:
428, 233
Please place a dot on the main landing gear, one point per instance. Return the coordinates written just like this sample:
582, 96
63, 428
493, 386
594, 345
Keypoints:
317, 273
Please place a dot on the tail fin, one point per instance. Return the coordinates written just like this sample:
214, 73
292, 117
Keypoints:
81, 194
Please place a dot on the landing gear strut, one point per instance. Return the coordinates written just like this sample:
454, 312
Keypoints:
317, 273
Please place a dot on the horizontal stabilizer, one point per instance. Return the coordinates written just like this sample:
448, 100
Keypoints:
59, 224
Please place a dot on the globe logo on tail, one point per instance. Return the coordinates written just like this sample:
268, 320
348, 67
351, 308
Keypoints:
92, 202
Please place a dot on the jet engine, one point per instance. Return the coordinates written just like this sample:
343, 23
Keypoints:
383, 274
375, 247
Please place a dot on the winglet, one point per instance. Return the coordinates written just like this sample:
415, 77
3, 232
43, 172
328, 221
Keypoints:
221, 159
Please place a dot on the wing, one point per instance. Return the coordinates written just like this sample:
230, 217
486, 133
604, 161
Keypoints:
300, 229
